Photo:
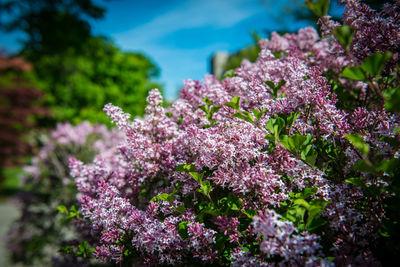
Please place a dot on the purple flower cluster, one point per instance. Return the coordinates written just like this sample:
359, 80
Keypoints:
281, 239
258, 158
374, 31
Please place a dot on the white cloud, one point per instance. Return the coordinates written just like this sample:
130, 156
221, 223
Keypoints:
189, 14
177, 64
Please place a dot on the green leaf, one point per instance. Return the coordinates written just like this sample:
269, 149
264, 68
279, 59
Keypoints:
67, 250
392, 97
309, 155
383, 233
231, 202
207, 101
62, 209
73, 208
220, 242
204, 108
236, 204
302, 202
180, 209
320, 203
231, 105
354, 73
319, 8
163, 196
307, 192
84, 250
375, 63
214, 109
249, 116
275, 126
229, 73
358, 181
316, 207
315, 223
234, 103
183, 230
296, 143
363, 166
284, 139
250, 213
292, 118
206, 187
298, 212
344, 35
300, 209
244, 115
197, 176
280, 84
73, 212
275, 88
358, 141
207, 207
389, 166
270, 84
258, 114
279, 54
185, 168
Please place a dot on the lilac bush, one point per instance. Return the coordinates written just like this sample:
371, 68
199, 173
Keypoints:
292, 160
265, 167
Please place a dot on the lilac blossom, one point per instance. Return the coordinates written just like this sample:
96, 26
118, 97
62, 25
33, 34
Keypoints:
138, 199
281, 238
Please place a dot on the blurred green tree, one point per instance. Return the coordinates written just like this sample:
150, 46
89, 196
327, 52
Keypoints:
78, 83
19, 106
79, 73
51, 26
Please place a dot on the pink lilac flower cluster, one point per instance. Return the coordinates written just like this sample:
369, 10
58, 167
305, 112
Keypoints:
183, 186
281, 239
72, 138
310, 48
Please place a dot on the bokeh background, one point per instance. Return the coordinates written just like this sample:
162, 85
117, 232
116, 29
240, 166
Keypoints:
63, 60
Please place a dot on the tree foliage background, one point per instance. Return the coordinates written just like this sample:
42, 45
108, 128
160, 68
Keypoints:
78, 72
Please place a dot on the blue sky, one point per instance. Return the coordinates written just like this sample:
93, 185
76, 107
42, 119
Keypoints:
180, 36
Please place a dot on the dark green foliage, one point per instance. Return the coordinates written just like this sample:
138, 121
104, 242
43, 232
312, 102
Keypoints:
51, 26
383, 172
371, 67
392, 97
303, 210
